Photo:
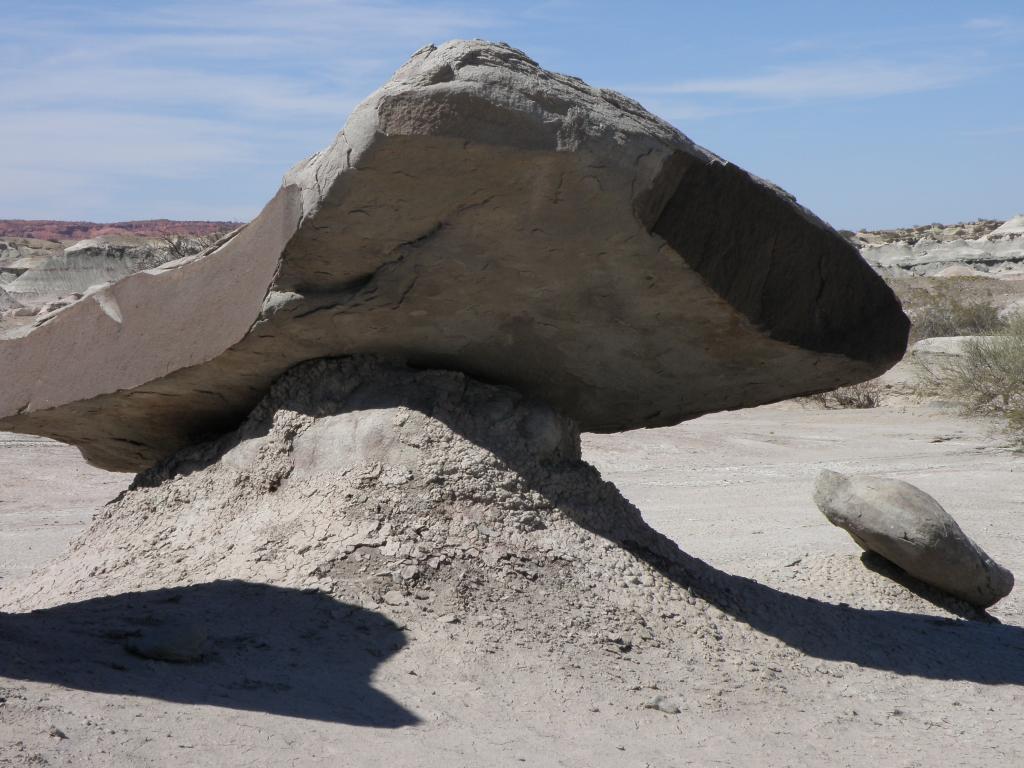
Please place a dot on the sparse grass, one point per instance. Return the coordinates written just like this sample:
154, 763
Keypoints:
864, 395
949, 316
986, 379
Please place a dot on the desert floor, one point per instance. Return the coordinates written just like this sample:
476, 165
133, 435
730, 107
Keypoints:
891, 679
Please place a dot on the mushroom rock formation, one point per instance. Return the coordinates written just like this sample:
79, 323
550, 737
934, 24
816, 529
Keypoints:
479, 214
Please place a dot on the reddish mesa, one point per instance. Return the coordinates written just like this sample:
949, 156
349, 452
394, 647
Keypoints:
80, 230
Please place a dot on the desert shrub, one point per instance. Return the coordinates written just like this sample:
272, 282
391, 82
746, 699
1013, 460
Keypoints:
948, 316
180, 246
864, 395
986, 378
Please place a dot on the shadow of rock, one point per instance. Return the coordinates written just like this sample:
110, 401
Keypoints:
875, 562
903, 643
268, 649
926, 646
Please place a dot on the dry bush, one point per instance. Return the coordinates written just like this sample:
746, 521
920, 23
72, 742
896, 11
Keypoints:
180, 246
948, 316
867, 394
987, 378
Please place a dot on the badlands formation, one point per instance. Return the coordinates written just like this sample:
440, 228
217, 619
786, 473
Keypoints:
979, 248
356, 424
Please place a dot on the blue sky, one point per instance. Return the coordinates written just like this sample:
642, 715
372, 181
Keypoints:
873, 114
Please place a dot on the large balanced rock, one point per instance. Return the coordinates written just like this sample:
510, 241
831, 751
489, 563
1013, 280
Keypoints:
482, 214
909, 528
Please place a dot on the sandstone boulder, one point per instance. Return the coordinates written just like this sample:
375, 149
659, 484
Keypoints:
477, 213
910, 529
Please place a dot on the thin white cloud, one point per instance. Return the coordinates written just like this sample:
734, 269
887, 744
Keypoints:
312, 28
100, 99
160, 89
686, 111
157, 146
999, 130
987, 24
855, 79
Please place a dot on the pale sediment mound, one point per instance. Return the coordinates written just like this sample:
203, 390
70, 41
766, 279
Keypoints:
386, 486
440, 501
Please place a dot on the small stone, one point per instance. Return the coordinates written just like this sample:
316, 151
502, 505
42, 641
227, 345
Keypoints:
179, 644
662, 704
909, 528
448, 618
394, 597
57, 733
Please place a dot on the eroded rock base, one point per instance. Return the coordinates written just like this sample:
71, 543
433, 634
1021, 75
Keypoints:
419, 491
453, 508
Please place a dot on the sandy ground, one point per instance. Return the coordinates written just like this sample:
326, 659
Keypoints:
733, 489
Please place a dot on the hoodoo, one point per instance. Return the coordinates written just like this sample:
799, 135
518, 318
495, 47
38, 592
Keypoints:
483, 215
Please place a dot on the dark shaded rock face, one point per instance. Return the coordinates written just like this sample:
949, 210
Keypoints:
909, 528
481, 214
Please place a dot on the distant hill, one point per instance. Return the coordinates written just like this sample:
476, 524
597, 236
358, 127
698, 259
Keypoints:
81, 230
981, 248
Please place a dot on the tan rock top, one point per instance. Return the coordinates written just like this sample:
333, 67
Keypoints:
476, 213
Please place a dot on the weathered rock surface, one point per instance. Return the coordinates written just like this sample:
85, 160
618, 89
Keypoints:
910, 529
482, 214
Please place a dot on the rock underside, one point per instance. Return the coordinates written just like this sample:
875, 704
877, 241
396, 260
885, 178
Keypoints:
480, 214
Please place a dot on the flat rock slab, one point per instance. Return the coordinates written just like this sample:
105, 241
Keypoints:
477, 213
909, 528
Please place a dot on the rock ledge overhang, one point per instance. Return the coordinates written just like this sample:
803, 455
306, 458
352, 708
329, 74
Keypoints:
476, 213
